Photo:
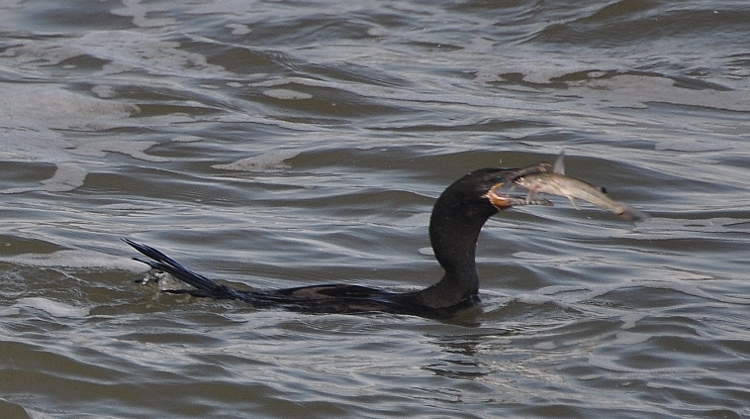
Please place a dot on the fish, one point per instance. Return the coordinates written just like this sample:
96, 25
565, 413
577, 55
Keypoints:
503, 201
551, 179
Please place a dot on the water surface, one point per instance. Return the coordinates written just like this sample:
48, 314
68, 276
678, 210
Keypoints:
279, 144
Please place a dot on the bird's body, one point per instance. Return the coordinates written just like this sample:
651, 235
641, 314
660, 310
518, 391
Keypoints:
457, 218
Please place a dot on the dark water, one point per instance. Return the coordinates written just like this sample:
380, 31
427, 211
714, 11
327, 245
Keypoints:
290, 143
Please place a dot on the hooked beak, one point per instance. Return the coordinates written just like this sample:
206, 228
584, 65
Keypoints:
503, 201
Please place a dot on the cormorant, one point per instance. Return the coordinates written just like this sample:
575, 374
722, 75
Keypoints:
457, 217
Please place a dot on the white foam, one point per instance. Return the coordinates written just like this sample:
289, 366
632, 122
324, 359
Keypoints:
40, 107
77, 259
286, 94
30, 116
533, 299
139, 12
122, 50
239, 29
103, 91
631, 319
68, 176
260, 162
53, 308
9, 311
545, 346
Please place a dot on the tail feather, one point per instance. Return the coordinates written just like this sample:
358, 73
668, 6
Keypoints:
206, 287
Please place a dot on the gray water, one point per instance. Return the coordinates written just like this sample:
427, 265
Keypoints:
277, 144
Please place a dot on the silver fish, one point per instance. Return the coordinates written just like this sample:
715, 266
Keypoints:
503, 201
555, 182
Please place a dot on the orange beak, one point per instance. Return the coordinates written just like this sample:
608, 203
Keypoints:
498, 200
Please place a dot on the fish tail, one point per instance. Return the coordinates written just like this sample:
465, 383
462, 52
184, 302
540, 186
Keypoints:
629, 213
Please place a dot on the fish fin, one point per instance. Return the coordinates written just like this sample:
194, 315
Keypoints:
573, 201
559, 166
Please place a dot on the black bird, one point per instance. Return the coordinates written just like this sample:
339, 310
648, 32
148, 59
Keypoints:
457, 217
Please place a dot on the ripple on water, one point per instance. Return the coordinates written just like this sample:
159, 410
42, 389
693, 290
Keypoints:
277, 144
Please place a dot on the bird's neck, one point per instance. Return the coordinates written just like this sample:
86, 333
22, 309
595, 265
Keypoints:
454, 230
